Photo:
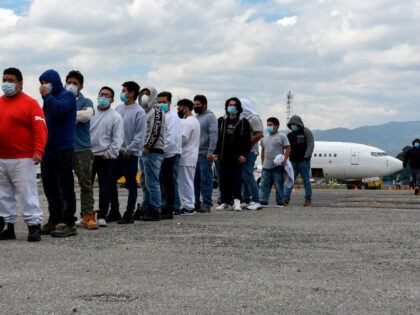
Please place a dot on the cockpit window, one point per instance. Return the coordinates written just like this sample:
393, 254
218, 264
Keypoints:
378, 153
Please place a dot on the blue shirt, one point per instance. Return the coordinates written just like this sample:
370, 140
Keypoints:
82, 135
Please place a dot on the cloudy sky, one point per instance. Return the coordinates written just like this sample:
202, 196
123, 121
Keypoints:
348, 63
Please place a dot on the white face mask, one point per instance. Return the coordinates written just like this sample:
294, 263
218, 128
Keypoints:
144, 101
72, 88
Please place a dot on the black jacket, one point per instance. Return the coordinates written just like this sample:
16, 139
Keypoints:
241, 143
301, 141
412, 157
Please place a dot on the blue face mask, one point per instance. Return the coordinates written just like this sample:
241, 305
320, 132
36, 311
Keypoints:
164, 107
103, 102
417, 145
123, 98
232, 110
270, 129
49, 86
9, 89
294, 128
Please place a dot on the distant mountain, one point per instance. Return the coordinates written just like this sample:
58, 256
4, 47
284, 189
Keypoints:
391, 137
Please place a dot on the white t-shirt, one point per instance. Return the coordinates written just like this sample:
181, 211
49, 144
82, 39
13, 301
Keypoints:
190, 128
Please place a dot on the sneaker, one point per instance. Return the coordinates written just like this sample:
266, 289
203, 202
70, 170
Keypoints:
254, 206
102, 222
126, 219
64, 230
279, 205
138, 215
245, 204
285, 201
203, 209
224, 207
263, 203
34, 234
47, 228
416, 190
307, 202
80, 223
237, 205
113, 217
7, 230
152, 215
188, 212
197, 206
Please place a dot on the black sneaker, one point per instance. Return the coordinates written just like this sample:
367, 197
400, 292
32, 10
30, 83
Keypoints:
126, 219
166, 214
9, 232
113, 217
188, 212
138, 215
34, 234
197, 206
152, 215
263, 203
64, 230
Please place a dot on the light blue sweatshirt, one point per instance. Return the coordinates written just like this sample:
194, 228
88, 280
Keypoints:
208, 132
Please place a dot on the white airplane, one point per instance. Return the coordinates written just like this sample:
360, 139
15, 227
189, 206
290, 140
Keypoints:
344, 160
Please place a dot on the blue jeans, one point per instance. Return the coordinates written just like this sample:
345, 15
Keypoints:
128, 169
169, 183
249, 184
302, 168
203, 181
150, 165
268, 177
217, 166
103, 167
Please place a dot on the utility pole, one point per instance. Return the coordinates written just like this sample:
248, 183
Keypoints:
289, 107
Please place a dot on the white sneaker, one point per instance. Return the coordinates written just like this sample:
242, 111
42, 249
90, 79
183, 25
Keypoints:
101, 222
279, 206
245, 205
237, 205
224, 207
80, 223
255, 206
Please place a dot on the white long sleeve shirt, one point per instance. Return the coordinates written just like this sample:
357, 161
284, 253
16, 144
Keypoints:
106, 133
173, 139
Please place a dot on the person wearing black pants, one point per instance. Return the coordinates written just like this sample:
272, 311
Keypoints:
103, 167
233, 144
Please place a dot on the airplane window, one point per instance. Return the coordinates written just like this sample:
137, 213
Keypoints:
325, 154
330, 155
315, 155
377, 153
335, 154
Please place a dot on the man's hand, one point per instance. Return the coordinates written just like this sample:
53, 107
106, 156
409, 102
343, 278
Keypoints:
104, 157
209, 158
283, 164
126, 155
37, 159
43, 90
242, 159
84, 108
215, 157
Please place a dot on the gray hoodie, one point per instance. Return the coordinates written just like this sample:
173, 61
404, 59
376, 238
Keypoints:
208, 132
301, 141
155, 116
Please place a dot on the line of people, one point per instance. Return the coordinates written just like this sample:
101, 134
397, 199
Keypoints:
174, 152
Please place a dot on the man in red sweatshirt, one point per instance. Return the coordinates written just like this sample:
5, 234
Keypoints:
23, 135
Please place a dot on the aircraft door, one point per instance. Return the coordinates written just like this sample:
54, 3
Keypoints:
354, 156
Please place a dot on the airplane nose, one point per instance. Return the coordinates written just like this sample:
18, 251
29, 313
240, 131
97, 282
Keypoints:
394, 164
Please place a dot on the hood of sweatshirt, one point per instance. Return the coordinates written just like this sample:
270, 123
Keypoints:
249, 109
152, 98
54, 78
296, 120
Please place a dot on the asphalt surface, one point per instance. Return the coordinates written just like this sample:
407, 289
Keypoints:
352, 252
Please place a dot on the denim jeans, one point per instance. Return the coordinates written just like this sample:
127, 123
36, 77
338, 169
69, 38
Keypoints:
268, 178
150, 165
230, 180
302, 168
217, 166
169, 183
249, 184
58, 182
103, 167
128, 169
203, 181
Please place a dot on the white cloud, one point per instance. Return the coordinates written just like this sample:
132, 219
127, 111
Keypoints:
287, 21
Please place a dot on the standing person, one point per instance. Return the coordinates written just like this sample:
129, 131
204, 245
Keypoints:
83, 157
23, 135
57, 165
302, 144
152, 157
274, 143
170, 165
233, 145
249, 185
190, 131
126, 164
203, 180
106, 132
412, 158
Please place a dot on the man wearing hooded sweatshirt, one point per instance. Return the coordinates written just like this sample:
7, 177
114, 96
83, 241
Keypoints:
57, 165
83, 157
126, 164
233, 145
302, 144
412, 158
249, 185
151, 160
203, 180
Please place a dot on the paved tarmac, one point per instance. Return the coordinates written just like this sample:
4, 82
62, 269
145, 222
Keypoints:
352, 252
